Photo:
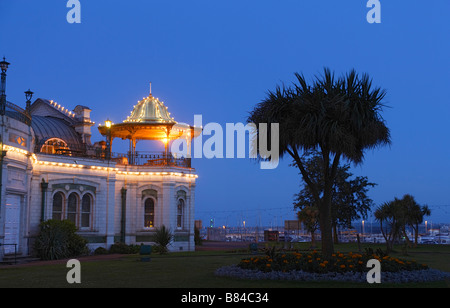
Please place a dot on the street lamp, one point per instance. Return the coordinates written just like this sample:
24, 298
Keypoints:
108, 125
4, 67
28, 96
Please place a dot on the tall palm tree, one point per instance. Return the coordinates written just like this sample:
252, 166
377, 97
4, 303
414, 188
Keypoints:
394, 216
387, 215
414, 214
337, 117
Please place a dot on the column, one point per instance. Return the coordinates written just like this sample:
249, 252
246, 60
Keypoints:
109, 208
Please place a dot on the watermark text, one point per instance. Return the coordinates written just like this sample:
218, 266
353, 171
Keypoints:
74, 14
73, 275
374, 14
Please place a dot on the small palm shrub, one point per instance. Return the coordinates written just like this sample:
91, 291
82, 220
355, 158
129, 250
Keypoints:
162, 238
58, 240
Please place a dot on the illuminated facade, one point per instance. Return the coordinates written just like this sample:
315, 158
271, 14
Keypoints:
52, 170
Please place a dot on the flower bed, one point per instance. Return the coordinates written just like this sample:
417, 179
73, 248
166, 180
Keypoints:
313, 262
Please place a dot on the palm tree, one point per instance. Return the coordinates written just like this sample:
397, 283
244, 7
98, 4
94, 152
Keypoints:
349, 196
414, 213
162, 237
424, 211
396, 215
337, 117
387, 215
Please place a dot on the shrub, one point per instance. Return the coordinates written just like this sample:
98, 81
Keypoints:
315, 263
101, 251
123, 248
162, 238
156, 249
58, 240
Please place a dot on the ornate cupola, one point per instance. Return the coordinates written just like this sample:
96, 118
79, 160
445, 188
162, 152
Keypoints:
150, 110
149, 120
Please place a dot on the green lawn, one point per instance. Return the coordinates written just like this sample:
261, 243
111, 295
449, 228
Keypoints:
192, 270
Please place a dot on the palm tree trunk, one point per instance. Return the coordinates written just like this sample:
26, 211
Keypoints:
326, 230
408, 241
313, 239
416, 234
335, 234
386, 237
325, 217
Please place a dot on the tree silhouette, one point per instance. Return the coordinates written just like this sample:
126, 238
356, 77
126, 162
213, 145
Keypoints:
349, 195
337, 117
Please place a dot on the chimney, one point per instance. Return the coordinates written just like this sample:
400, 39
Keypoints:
84, 124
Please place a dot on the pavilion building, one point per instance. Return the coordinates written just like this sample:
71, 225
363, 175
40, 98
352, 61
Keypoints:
51, 170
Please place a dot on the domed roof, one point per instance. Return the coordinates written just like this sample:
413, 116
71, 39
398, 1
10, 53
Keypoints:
50, 127
150, 110
149, 120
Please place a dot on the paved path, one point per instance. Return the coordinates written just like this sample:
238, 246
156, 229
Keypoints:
64, 261
206, 246
210, 245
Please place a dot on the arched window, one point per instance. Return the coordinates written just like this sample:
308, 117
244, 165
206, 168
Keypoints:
55, 146
86, 206
180, 214
149, 213
72, 208
57, 208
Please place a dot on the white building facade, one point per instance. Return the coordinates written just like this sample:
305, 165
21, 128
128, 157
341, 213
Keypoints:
51, 170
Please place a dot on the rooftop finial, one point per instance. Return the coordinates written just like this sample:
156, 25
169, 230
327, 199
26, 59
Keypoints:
150, 89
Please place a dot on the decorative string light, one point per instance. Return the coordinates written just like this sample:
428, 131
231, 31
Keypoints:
11, 149
61, 108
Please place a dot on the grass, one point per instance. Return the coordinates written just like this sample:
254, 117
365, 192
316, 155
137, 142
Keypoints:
194, 270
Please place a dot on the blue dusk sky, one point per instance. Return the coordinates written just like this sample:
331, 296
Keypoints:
219, 58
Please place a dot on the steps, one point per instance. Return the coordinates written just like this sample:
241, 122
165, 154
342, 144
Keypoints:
18, 259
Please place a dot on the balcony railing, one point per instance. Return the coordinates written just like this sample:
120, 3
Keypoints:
139, 158
150, 159
14, 111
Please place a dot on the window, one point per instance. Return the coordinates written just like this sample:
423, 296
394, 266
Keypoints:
78, 210
180, 210
86, 203
149, 213
57, 209
72, 208
55, 146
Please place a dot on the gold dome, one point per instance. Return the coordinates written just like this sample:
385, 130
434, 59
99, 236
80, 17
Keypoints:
150, 110
149, 120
